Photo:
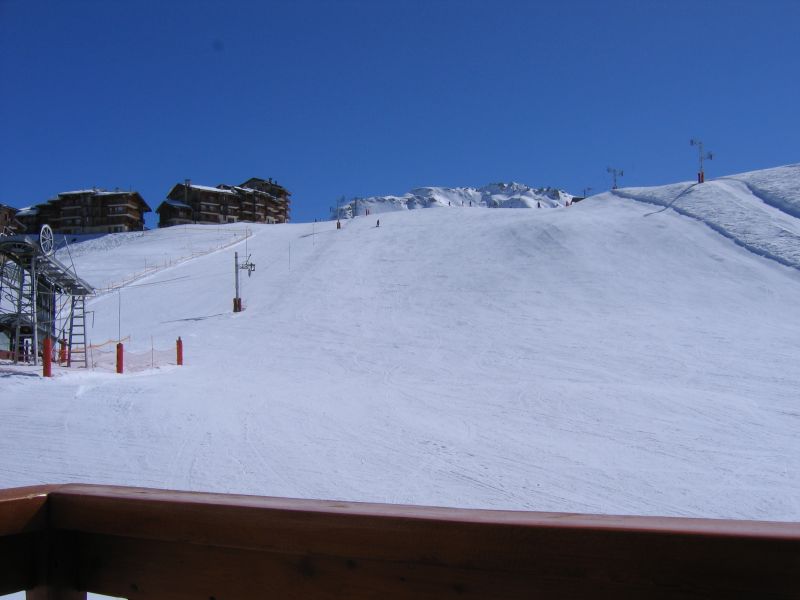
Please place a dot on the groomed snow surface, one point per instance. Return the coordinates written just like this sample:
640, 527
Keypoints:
609, 357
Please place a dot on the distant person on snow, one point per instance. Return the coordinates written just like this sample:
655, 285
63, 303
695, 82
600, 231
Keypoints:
378, 224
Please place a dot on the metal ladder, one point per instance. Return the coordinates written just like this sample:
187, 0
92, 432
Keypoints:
76, 350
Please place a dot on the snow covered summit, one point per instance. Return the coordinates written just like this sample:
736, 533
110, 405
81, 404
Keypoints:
494, 195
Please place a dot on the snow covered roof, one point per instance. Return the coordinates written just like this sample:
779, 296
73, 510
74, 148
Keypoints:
177, 191
207, 188
77, 192
97, 192
27, 211
247, 190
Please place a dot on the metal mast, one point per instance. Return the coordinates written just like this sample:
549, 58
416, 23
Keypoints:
701, 176
614, 174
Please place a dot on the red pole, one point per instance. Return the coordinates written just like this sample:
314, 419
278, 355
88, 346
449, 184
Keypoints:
47, 357
62, 351
119, 357
701, 177
179, 345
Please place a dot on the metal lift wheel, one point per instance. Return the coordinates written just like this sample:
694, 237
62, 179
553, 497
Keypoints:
46, 241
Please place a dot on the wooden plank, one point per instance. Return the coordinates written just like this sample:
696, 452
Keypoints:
156, 544
152, 570
164, 514
156, 570
464, 551
23, 509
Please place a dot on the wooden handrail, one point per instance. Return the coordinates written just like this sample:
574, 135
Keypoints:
22, 510
154, 544
23, 523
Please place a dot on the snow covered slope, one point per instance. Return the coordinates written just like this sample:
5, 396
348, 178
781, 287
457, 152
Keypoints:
495, 195
602, 358
111, 261
757, 210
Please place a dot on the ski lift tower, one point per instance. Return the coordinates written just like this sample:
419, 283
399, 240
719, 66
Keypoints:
701, 176
35, 291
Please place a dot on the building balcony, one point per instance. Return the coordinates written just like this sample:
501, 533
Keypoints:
129, 205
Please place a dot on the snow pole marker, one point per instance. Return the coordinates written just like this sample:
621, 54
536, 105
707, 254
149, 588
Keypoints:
236, 306
47, 357
179, 350
120, 358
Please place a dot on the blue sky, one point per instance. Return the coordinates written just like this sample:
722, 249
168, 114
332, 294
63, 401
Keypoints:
363, 97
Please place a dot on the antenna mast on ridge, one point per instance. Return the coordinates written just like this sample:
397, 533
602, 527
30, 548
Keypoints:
701, 176
614, 174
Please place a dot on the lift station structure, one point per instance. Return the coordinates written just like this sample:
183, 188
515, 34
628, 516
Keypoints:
41, 297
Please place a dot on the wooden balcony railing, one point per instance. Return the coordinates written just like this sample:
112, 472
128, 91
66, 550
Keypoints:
59, 542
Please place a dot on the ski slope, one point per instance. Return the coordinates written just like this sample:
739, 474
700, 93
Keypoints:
609, 357
758, 210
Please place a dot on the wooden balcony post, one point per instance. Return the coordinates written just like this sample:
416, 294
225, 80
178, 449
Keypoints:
31, 557
58, 570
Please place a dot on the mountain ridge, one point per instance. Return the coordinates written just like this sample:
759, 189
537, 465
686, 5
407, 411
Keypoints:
492, 195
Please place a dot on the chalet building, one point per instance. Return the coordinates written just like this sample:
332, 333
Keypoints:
254, 201
88, 211
9, 224
280, 193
